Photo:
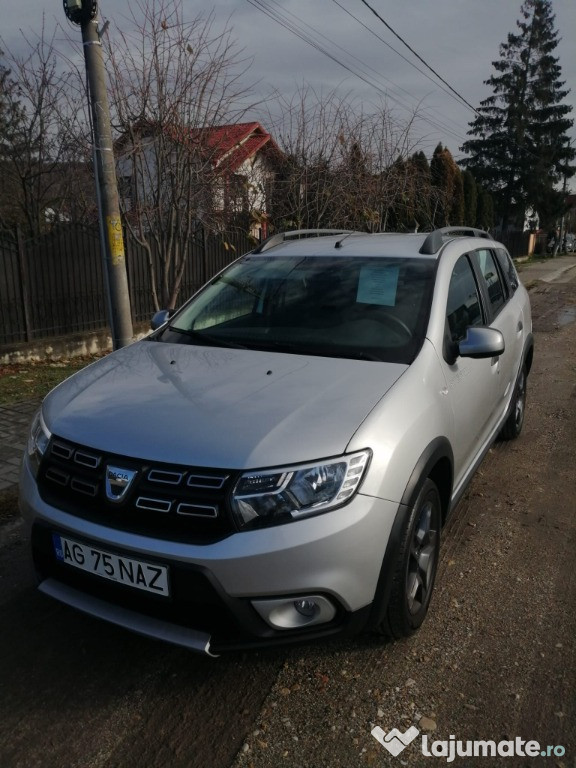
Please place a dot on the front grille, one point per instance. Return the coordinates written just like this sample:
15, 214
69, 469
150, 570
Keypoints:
167, 501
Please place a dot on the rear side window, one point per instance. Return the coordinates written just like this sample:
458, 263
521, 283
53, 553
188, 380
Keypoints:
464, 308
495, 289
508, 268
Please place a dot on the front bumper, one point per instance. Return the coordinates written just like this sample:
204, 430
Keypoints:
337, 556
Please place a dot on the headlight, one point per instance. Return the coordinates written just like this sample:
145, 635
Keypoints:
37, 441
275, 496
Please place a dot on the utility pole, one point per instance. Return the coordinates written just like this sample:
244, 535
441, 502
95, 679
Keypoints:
85, 14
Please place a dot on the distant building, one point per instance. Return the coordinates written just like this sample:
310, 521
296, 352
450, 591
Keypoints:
231, 168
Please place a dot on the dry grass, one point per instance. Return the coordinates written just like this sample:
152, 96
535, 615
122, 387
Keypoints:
27, 381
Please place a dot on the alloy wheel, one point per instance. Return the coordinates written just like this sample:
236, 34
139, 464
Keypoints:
422, 559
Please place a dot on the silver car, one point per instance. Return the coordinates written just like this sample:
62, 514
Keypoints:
275, 462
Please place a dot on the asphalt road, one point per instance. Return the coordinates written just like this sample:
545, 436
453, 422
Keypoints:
496, 659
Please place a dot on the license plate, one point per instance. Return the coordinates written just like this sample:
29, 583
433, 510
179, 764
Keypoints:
123, 570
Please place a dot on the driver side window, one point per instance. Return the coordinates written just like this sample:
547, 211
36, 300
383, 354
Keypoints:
464, 308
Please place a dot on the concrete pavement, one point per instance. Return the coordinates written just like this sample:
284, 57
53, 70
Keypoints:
15, 419
558, 270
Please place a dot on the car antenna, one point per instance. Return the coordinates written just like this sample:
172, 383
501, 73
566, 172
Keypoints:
338, 243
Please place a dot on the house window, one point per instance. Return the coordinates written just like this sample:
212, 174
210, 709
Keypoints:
125, 191
237, 193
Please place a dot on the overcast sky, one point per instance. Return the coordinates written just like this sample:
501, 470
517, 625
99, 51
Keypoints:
457, 38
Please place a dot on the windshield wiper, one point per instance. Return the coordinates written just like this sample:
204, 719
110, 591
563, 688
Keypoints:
244, 287
357, 356
207, 338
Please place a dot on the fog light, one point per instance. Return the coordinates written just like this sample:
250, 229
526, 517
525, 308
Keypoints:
306, 607
294, 612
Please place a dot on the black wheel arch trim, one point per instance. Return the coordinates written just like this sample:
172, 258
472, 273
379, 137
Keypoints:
526, 362
528, 353
437, 453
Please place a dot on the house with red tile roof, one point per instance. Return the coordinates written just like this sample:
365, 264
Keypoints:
244, 158
237, 161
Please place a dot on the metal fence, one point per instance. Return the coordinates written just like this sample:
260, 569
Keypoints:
54, 286
517, 243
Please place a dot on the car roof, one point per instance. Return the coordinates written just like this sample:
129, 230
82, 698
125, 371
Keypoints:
357, 244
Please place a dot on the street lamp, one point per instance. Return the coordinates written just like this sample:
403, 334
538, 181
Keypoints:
80, 11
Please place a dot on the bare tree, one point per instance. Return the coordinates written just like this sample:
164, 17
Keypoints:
377, 187
47, 165
171, 80
338, 165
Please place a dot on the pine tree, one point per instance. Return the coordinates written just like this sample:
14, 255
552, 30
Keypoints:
470, 198
423, 182
485, 210
447, 189
521, 148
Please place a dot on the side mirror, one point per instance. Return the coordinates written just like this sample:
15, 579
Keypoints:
481, 342
160, 318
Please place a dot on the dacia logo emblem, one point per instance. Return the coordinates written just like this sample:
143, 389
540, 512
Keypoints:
118, 481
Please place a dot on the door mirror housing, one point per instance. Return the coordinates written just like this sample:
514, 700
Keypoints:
480, 343
160, 318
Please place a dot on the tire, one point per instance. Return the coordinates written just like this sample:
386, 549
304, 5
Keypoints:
515, 421
416, 565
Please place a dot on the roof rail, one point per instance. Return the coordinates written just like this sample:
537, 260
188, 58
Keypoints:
297, 234
435, 239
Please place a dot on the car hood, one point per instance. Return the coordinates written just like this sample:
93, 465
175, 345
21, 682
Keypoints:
215, 407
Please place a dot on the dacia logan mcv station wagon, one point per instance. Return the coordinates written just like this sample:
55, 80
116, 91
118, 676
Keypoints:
275, 462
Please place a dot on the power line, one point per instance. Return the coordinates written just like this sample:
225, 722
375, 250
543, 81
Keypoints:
456, 98
511, 141
446, 83
301, 31
435, 124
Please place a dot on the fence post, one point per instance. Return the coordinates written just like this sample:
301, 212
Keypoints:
24, 285
204, 265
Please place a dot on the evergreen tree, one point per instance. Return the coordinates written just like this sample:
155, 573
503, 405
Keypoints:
457, 215
485, 210
423, 182
399, 180
520, 149
447, 190
470, 198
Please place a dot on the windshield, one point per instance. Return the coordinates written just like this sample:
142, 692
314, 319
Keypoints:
364, 308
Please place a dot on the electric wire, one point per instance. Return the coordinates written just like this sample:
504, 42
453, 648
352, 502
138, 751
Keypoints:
277, 16
510, 140
446, 83
448, 91
293, 27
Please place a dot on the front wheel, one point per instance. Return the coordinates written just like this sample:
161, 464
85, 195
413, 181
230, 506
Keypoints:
416, 565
